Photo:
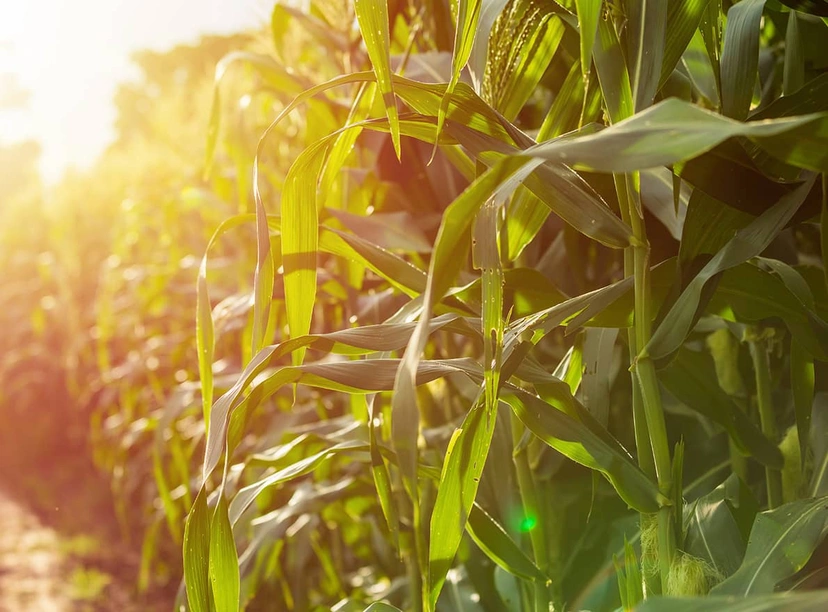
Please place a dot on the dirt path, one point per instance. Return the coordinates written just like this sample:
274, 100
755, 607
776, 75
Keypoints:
32, 569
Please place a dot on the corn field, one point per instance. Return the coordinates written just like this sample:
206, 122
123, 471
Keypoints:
456, 305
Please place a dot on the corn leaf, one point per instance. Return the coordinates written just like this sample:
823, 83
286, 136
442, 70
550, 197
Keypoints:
224, 563
468, 15
462, 469
646, 33
814, 601
683, 18
197, 554
793, 74
740, 57
368, 338
781, 542
712, 532
691, 378
577, 442
672, 131
589, 13
747, 243
492, 539
372, 16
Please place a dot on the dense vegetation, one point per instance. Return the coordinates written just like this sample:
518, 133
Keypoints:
503, 305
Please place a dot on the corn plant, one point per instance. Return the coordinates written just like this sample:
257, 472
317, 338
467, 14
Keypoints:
538, 313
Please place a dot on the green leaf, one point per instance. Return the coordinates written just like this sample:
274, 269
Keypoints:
273, 73
815, 601
264, 277
205, 341
196, 555
578, 442
646, 34
247, 495
462, 469
749, 294
712, 531
673, 130
699, 67
740, 57
372, 16
300, 239
493, 540
486, 257
468, 15
612, 73
819, 445
589, 12
598, 356
781, 542
802, 386
691, 378
793, 75
379, 606
224, 563
683, 18
748, 242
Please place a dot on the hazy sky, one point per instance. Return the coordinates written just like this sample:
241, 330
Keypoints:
70, 55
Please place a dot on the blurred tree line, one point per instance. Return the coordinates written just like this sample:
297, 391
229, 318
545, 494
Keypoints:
97, 300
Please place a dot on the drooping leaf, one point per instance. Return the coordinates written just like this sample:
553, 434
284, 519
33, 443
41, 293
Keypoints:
673, 130
368, 338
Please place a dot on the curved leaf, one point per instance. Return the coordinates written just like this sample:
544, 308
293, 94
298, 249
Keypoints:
781, 542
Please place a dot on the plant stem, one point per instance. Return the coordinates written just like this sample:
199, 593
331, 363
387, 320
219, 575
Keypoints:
531, 514
642, 434
738, 462
645, 373
761, 366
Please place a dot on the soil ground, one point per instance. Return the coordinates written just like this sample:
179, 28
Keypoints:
61, 549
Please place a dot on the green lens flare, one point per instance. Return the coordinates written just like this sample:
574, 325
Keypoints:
528, 523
